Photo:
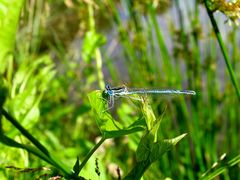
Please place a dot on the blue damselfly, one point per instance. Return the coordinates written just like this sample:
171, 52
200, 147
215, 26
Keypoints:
124, 91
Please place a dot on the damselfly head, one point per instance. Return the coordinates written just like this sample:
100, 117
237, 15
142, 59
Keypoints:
107, 87
108, 90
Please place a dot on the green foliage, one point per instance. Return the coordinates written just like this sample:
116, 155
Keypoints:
76, 167
109, 127
28, 86
9, 16
149, 149
3, 92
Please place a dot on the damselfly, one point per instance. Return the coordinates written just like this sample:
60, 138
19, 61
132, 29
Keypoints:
124, 91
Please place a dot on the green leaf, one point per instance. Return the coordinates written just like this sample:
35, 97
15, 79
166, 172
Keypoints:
76, 167
148, 115
108, 126
163, 146
29, 84
9, 16
147, 143
148, 152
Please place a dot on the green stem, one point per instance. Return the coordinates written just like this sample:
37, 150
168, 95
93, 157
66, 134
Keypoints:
223, 49
91, 153
25, 132
97, 51
138, 170
99, 68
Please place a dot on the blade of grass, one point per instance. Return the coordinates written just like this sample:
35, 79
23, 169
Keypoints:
90, 154
220, 167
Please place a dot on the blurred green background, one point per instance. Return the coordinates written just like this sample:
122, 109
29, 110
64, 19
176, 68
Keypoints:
53, 53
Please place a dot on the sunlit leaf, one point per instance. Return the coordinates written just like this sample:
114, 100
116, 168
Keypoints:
29, 84
148, 114
108, 126
163, 146
147, 143
148, 152
9, 16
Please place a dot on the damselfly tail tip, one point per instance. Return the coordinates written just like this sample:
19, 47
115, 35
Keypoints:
189, 92
192, 93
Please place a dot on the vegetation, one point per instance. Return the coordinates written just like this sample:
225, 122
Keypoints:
54, 124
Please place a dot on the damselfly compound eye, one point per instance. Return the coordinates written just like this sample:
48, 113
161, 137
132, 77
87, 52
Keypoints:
107, 87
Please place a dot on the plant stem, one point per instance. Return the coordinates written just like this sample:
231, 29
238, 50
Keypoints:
223, 49
25, 132
97, 51
91, 153
138, 171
